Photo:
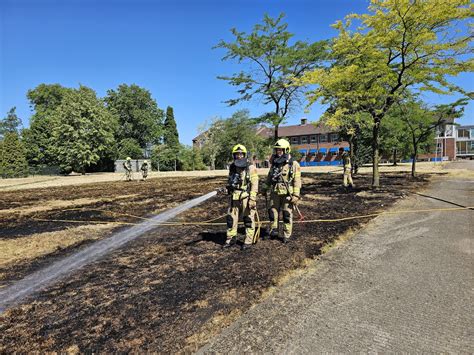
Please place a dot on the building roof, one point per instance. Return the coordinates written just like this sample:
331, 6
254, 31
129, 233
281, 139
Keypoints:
295, 130
303, 130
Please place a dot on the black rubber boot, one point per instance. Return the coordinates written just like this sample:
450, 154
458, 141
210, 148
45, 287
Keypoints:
229, 243
273, 234
245, 246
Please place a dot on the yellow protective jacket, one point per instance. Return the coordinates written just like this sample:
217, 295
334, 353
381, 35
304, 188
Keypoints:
346, 160
289, 174
248, 182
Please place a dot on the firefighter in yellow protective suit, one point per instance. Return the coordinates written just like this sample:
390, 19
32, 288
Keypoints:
127, 165
284, 184
346, 161
242, 187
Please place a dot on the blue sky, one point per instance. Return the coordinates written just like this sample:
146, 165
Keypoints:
164, 46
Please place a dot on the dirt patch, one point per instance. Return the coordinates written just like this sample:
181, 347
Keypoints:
172, 289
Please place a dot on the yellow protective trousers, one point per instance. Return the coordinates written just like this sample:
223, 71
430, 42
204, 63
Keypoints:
347, 180
280, 203
237, 208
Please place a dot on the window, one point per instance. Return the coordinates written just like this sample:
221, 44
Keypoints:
463, 133
333, 137
323, 138
295, 140
313, 139
304, 140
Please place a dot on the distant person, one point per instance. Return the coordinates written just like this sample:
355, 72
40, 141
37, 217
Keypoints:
243, 187
144, 170
284, 184
346, 161
127, 165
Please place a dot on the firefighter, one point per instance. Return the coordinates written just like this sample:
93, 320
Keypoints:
346, 161
284, 184
127, 165
144, 169
242, 187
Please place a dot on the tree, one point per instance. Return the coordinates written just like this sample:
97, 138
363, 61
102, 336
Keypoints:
10, 123
44, 99
399, 45
137, 113
273, 65
223, 134
197, 160
211, 136
190, 159
129, 147
164, 158
12, 157
421, 122
170, 134
394, 137
82, 130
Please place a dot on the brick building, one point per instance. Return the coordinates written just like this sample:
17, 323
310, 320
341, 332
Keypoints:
318, 144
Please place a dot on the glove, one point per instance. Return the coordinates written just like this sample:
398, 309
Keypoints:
252, 203
294, 199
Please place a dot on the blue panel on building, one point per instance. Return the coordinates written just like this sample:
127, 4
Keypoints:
323, 150
333, 150
302, 151
313, 151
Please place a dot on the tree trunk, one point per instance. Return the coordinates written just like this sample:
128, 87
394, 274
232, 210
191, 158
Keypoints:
276, 133
394, 157
375, 154
213, 163
354, 155
415, 156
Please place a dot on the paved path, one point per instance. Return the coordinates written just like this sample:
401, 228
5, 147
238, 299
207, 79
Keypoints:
403, 284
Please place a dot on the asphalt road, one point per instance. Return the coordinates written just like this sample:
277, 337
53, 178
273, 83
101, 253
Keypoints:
402, 284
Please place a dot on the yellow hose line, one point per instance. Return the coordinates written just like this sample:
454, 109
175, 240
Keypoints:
262, 222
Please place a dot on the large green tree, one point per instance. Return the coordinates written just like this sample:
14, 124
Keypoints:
420, 123
137, 113
397, 46
82, 130
170, 131
12, 157
223, 134
10, 123
271, 63
44, 99
129, 147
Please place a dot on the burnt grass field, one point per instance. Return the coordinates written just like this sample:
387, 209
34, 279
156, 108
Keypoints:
173, 288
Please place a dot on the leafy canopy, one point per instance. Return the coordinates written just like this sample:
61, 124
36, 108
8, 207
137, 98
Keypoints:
82, 130
271, 63
137, 113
